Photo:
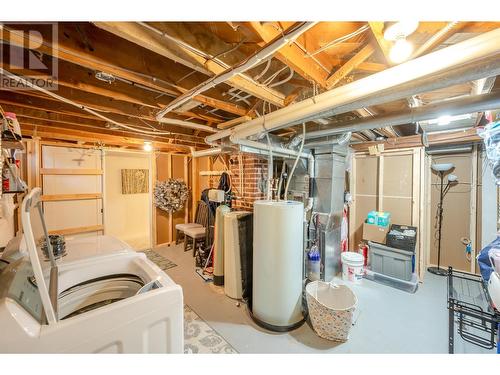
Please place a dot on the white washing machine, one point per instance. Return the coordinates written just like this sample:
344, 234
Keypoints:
102, 297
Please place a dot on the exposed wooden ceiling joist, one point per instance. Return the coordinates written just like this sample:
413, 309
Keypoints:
457, 137
56, 133
114, 59
291, 55
37, 102
140, 35
29, 115
377, 29
76, 77
234, 122
350, 65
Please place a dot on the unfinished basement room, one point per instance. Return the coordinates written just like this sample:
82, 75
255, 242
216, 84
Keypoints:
250, 187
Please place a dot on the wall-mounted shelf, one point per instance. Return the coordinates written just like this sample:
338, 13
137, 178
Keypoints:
12, 145
14, 192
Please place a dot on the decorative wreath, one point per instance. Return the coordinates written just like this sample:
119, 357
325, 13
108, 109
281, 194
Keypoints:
170, 195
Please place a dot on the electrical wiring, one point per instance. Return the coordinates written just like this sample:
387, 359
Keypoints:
266, 68
337, 41
285, 80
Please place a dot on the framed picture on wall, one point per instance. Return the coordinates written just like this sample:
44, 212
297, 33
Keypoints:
135, 181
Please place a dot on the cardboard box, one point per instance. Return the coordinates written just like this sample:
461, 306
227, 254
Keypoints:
374, 233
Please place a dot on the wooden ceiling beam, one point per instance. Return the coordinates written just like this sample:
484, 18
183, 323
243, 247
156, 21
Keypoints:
36, 124
457, 137
291, 55
44, 104
122, 60
377, 29
63, 134
40, 124
350, 65
371, 67
107, 106
151, 40
233, 122
34, 117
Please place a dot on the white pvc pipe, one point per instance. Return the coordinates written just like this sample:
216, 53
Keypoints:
480, 47
187, 124
251, 62
275, 149
207, 152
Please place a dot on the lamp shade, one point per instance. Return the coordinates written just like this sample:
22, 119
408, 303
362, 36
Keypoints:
443, 167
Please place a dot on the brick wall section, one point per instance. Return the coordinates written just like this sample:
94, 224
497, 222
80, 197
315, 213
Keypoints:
254, 180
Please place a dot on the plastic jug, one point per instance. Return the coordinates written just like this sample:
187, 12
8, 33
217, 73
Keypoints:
313, 263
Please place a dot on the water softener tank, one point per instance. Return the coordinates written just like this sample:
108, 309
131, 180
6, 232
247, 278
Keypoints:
277, 264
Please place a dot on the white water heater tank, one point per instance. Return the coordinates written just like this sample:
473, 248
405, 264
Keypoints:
278, 263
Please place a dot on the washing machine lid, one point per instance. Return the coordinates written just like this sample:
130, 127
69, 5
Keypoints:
87, 247
45, 273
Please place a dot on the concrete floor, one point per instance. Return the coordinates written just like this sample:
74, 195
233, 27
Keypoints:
389, 321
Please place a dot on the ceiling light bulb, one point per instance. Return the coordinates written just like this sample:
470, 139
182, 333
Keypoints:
401, 50
148, 146
401, 28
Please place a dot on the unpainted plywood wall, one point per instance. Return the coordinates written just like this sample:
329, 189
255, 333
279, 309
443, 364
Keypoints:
170, 166
458, 212
188, 169
387, 182
383, 183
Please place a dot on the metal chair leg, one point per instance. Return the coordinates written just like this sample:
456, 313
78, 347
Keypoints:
177, 236
185, 243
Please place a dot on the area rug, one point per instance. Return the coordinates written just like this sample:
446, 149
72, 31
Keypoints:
200, 338
159, 260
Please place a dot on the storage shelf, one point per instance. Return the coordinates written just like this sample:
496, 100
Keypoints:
9, 144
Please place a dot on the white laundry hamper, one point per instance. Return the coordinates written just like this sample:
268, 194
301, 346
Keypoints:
331, 308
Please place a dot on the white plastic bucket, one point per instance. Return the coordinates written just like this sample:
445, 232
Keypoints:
352, 266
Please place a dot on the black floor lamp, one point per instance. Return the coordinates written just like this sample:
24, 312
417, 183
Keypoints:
441, 170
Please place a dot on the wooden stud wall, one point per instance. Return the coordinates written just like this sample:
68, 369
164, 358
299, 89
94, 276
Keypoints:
461, 211
387, 182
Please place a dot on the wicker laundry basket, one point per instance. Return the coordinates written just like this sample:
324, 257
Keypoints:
331, 308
